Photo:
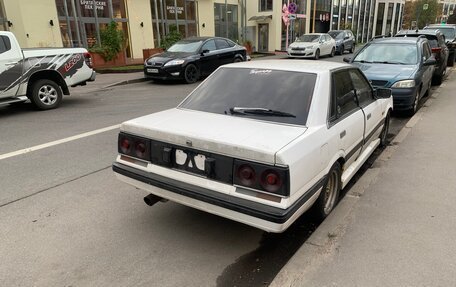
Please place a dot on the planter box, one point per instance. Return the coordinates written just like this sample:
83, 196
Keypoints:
149, 52
99, 62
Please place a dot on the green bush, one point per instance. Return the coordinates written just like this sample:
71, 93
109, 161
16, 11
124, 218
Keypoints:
172, 37
111, 42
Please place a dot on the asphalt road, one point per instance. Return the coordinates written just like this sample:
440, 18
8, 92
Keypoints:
66, 221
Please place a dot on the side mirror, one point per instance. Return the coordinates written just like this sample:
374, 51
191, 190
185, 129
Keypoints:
430, 62
382, 93
205, 51
347, 59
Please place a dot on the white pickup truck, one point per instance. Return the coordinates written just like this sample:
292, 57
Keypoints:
41, 75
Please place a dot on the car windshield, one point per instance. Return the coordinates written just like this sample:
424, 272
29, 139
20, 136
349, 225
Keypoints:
264, 94
309, 38
185, 46
449, 32
337, 35
389, 53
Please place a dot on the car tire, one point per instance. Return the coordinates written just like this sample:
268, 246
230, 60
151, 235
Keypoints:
341, 50
329, 195
333, 52
352, 49
45, 94
191, 74
437, 80
416, 102
384, 134
237, 60
317, 54
450, 62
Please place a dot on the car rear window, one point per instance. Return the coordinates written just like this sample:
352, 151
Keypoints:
433, 42
228, 88
449, 32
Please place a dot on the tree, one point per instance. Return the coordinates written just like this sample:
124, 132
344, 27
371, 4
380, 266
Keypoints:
414, 11
111, 42
172, 37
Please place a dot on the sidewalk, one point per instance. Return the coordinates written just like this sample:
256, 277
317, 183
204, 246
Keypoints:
104, 81
397, 225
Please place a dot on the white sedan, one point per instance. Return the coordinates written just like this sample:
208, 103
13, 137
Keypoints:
258, 142
312, 45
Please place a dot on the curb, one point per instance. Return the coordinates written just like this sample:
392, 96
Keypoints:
323, 240
126, 82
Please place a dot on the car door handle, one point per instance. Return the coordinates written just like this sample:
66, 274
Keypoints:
342, 134
368, 116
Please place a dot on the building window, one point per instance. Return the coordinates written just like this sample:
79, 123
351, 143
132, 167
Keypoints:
389, 19
226, 21
3, 21
265, 5
380, 14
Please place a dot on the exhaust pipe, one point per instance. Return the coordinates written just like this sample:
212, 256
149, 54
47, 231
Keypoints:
151, 199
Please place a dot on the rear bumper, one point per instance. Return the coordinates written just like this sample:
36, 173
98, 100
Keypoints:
268, 218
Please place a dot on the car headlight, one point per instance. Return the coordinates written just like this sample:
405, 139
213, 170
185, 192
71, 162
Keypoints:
404, 84
175, 62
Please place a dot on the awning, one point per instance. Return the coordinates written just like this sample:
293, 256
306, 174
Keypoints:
260, 18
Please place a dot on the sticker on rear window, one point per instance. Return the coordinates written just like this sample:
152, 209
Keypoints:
260, 72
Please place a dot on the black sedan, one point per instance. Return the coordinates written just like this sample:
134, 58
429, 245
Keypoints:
191, 58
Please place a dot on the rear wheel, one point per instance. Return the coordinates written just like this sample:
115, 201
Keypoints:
329, 195
317, 54
450, 62
45, 95
191, 74
341, 50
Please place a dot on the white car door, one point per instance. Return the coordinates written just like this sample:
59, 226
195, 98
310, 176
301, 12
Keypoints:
10, 68
372, 108
346, 116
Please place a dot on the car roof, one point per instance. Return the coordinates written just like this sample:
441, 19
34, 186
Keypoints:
398, 40
196, 39
315, 67
418, 32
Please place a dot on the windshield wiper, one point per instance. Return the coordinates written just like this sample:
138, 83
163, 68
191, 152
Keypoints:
363, 61
389, 62
259, 111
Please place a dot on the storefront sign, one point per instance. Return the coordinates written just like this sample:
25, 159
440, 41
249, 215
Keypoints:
88, 4
173, 9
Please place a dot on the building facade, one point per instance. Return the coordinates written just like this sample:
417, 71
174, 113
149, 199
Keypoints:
448, 8
77, 23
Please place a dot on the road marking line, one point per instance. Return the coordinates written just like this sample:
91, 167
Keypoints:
57, 142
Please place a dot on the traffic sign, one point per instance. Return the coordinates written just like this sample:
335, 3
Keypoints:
425, 6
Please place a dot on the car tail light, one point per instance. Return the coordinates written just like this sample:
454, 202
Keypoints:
246, 175
134, 146
261, 177
271, 181
436, 50
88, 60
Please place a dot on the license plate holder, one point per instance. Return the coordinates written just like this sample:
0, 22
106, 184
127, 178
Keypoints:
154, 71
190, 161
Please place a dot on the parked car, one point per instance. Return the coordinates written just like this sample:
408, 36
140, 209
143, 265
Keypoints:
191, 58
345, 40
439, 50
312, 45
449, 30
41, 75
285, 136
404, 64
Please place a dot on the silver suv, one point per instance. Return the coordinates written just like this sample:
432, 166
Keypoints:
345, 41
449, 30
